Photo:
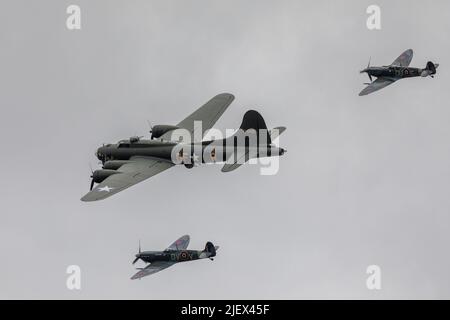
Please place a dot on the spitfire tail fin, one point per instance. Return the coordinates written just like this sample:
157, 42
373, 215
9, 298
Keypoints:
431, 67
211, 249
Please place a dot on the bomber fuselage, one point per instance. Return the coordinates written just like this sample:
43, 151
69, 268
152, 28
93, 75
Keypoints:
114, 155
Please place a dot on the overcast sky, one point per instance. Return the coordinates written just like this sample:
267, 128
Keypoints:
365, 181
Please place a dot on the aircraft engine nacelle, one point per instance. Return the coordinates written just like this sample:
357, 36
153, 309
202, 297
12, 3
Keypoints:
193, 161
189, 165
114, 164
99, 175
161, 129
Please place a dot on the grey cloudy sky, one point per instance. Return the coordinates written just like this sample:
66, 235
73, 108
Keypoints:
365, 180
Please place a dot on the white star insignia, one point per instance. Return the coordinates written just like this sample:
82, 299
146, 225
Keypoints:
105, 188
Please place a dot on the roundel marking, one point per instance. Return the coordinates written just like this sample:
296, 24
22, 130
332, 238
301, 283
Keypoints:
183, 255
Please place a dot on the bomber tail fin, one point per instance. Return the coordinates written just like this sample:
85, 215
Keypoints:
253, 120
273, 133
252, 140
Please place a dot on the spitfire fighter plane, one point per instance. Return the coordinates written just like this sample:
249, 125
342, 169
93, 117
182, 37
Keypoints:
177, 252
133, 160
399, 69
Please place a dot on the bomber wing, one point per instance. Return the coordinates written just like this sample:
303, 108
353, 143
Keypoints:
180, 244
208, 114
404, 59
378, 84
152, 268
135, 171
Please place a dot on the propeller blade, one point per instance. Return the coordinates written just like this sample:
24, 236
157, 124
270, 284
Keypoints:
368, 64
92, 177
137, 258
370, 77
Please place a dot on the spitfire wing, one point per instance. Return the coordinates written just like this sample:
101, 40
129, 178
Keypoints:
180, 244
404, 59
378, 84
137, 170
208, 114
152, 268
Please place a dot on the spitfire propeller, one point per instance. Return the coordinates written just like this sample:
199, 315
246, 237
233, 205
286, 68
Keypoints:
138, 255
368, 66
92, 178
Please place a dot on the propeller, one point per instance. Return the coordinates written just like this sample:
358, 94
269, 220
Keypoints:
368, 66
137, 256
92, 178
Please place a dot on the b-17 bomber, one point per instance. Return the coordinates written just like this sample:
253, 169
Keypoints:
133, 160
175, 253
399, 69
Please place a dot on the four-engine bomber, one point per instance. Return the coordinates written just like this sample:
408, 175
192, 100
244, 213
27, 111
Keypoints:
133, 160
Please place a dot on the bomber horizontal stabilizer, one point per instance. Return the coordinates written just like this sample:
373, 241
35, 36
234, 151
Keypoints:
276, 132
227, 167
230, 167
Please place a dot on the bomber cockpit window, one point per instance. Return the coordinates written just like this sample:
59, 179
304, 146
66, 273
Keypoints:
124, 145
